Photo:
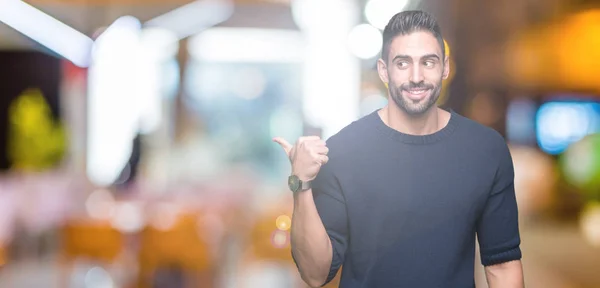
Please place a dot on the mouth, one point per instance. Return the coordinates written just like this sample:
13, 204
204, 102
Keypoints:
416, 94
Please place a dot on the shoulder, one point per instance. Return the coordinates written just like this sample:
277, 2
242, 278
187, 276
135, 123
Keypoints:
340, 145
350, 138
344, 146
487, 144
483, 137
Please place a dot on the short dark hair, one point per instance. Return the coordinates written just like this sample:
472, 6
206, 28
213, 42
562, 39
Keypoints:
407, 22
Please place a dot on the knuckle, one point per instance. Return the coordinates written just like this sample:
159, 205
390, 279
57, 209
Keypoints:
316, 157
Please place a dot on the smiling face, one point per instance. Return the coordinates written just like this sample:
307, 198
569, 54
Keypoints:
414, 70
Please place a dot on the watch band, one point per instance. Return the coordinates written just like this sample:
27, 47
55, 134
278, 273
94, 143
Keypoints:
305, 185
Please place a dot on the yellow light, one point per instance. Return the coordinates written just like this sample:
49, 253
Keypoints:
589, 223
566, 47
446, 82
283, 222
447, 47
577, 53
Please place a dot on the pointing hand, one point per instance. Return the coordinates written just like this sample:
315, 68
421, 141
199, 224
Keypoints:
306, 156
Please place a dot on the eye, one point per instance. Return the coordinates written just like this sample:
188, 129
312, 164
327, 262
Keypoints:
429, 63
402, 64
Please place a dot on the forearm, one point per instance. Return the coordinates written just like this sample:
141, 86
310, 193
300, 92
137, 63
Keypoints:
505, 275
311, 245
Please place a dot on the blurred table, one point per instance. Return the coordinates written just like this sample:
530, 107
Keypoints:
557, 255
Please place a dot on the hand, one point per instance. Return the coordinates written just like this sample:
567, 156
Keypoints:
306, 156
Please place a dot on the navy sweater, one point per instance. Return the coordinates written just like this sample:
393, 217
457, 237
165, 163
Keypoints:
405, 211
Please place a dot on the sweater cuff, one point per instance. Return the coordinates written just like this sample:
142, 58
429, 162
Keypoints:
502, 257
336, 262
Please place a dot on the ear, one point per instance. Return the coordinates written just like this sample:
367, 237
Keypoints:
446, 67
382, 70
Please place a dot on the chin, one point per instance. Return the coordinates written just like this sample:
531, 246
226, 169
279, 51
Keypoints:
416, 111
419, 107
415, 108
415, 104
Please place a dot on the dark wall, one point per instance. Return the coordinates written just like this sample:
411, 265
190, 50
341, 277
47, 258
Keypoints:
20, 70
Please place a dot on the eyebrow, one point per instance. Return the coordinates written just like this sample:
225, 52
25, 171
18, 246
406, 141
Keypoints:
426, 56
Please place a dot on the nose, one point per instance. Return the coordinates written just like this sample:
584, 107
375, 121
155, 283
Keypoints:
416, 74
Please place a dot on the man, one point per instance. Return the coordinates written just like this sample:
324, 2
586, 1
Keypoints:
399, 196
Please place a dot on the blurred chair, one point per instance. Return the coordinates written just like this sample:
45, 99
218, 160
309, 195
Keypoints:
3, 256
91, 240
177, 247
269, 241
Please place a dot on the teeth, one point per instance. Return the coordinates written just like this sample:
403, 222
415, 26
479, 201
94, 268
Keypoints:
417, 91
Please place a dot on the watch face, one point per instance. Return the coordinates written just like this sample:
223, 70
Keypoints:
294, 183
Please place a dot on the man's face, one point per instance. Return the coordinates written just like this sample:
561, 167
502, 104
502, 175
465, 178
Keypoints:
414, 71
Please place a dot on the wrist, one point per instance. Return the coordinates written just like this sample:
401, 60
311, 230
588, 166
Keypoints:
303, 177
296, 184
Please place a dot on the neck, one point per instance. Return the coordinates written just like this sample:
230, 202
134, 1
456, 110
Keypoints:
427, 123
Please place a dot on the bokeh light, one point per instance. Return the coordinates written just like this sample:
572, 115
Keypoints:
379, 12
365, 41
590, 223
280, 239
100, 204
560, 124
97, 277
581, 163
128, 217
164, 216
283, 222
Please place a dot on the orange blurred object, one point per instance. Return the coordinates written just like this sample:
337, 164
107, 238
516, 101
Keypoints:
562, 55
270, 243
2, 256
91, 239
578, 50
270, 239
179, 245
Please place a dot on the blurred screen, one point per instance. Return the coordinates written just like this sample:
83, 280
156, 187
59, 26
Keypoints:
244, 105
561, 123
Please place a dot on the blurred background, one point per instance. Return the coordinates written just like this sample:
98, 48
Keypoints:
135, 135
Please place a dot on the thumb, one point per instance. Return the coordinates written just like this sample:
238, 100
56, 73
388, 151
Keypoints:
287, 147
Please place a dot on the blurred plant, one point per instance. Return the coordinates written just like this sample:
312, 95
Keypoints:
581, 166
36, 141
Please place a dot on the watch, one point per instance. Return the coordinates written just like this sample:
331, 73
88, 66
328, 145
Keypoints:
296, 185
